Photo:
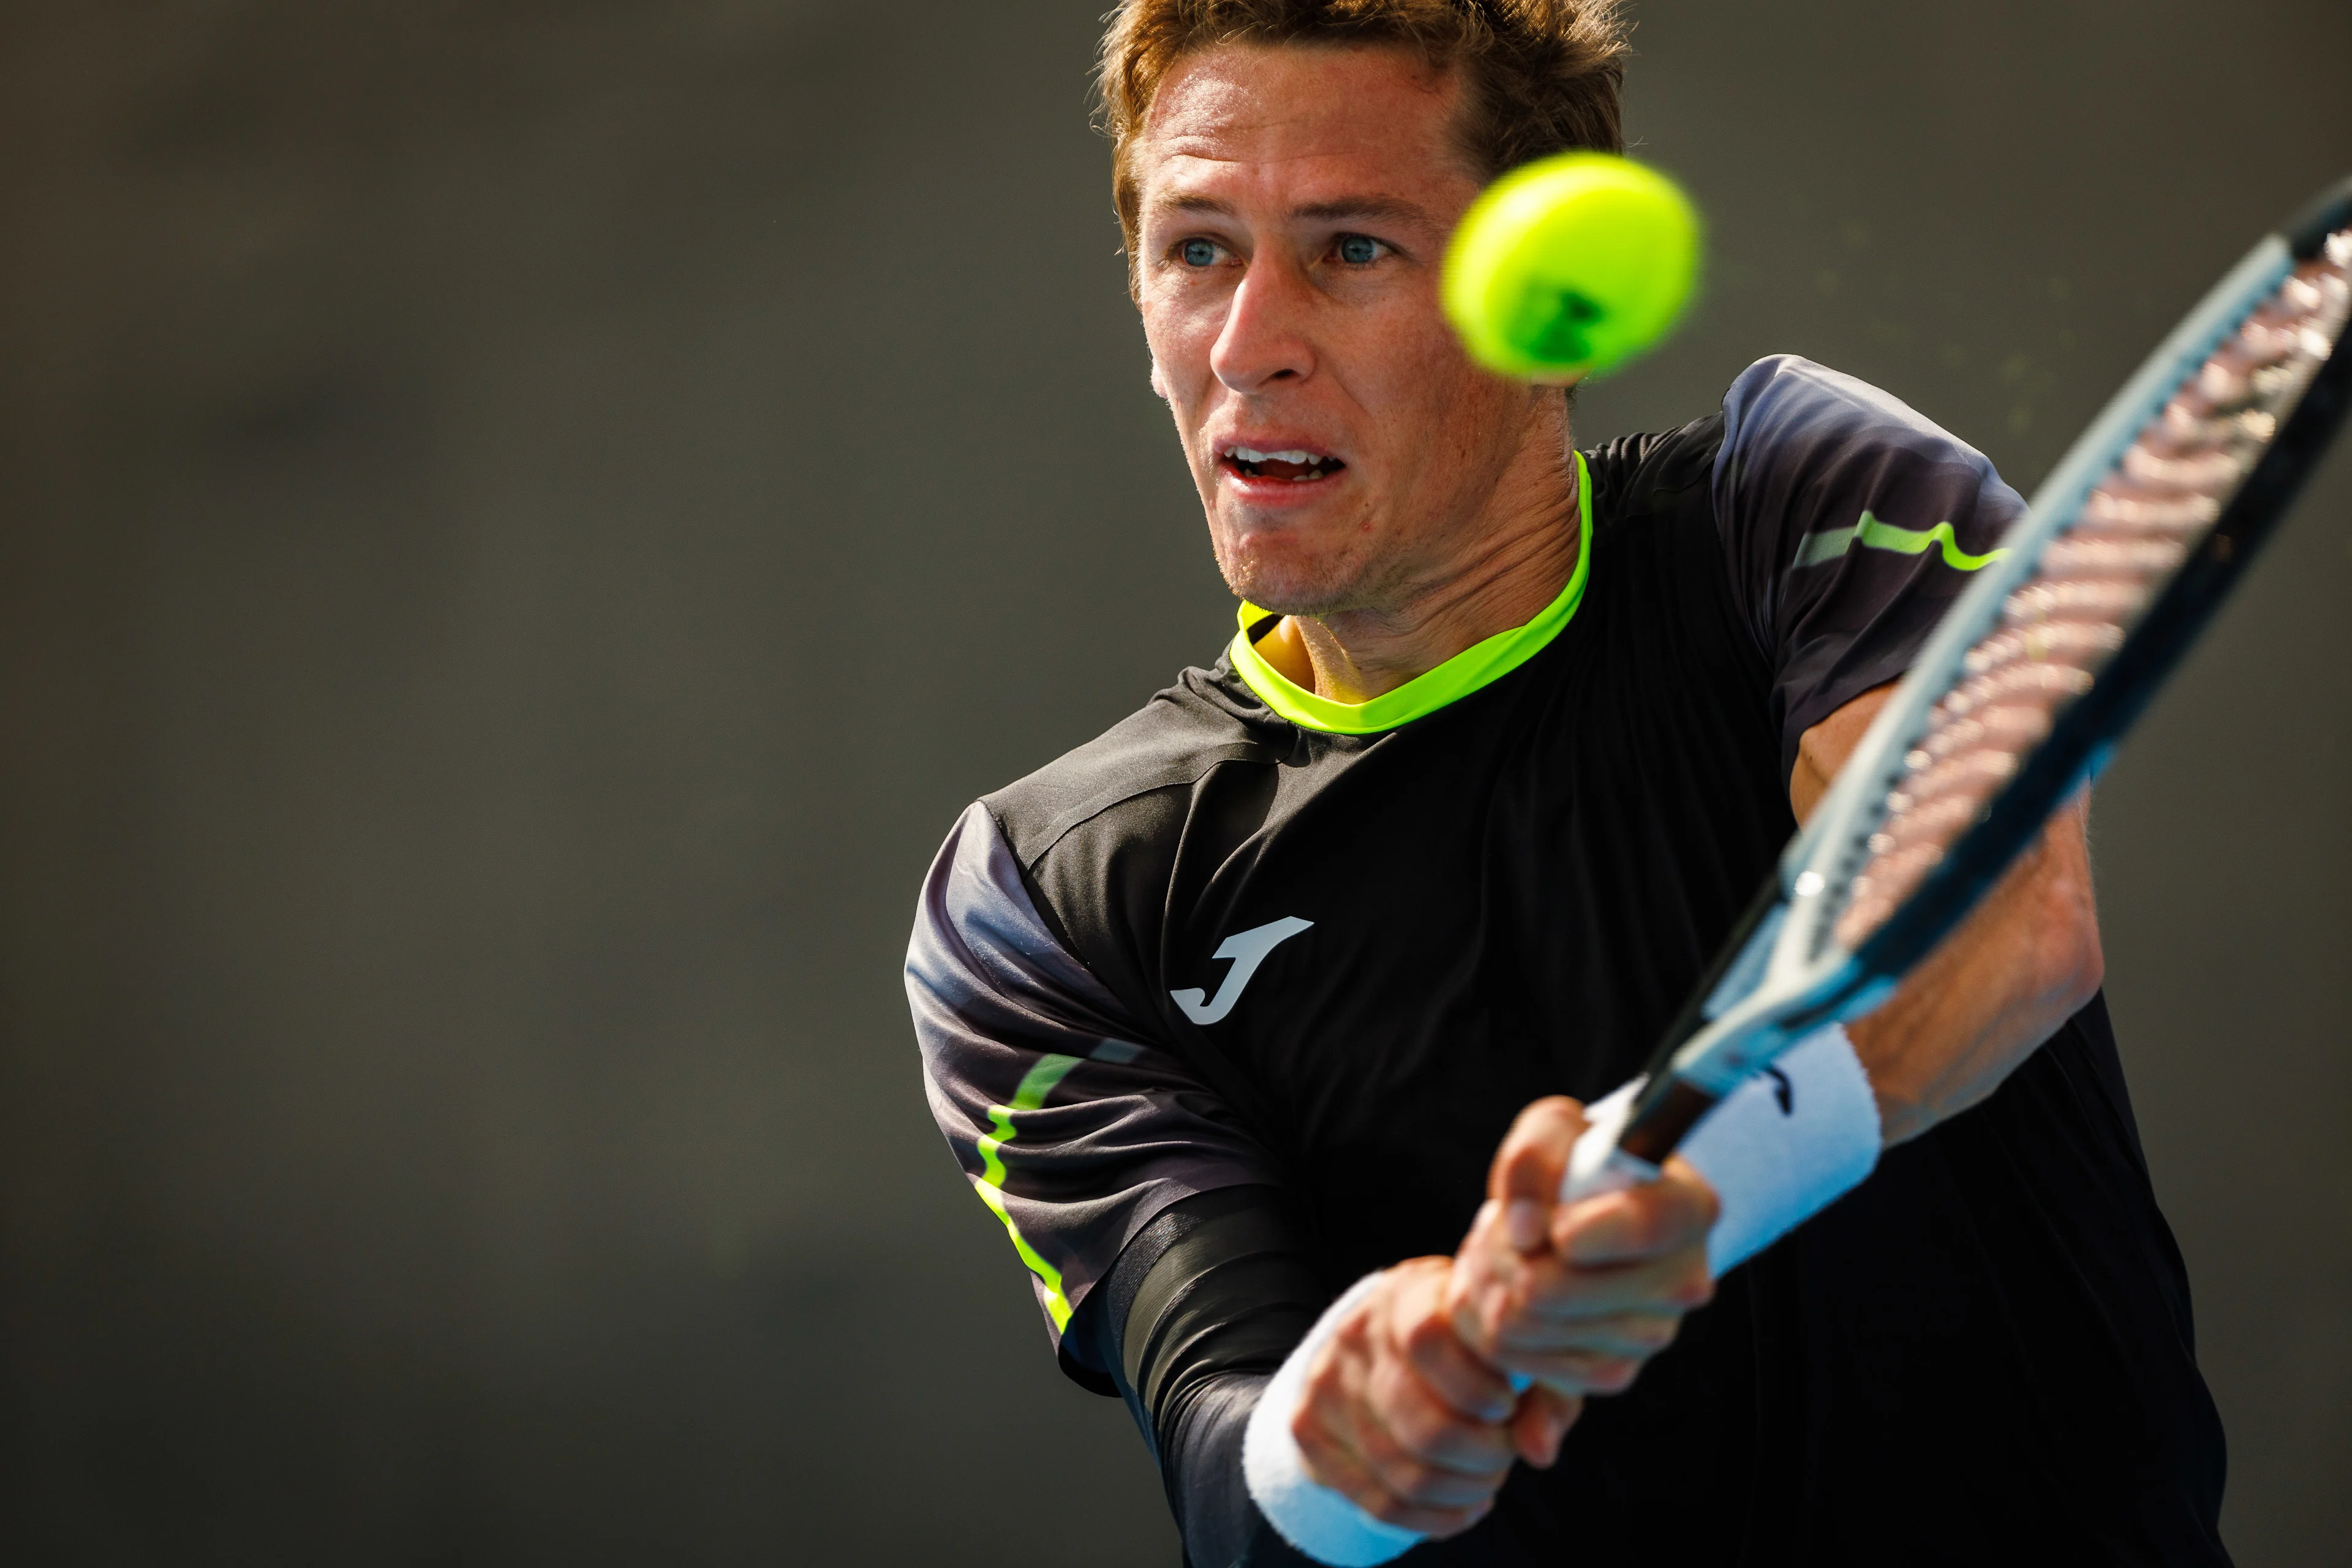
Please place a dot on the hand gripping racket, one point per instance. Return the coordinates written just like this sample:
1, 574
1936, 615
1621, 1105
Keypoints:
2023, 690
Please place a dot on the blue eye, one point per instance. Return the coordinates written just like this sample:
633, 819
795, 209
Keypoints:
1358, 250
1200, 253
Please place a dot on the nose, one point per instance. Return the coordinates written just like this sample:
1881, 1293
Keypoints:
1264, 340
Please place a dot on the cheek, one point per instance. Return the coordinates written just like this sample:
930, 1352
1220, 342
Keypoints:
1181, 327
1441, 402
1180, 340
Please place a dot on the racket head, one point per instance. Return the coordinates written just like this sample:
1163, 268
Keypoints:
2020, 695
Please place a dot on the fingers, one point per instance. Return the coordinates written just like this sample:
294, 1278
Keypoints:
1576, 1373
1658, 1218
1340, 1470
1531, 1165
1634, 1336
1661, 1217
1495, 1287
1563, 1336
1540, 1424
1402, 1420
1583, 1313
1549, 1290
1396, 1452
1435, 1354
1583, 1356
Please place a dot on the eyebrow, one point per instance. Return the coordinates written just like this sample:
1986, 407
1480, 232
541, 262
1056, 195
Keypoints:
1363, 206
1393, 207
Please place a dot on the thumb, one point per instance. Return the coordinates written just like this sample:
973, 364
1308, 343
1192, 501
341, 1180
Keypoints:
1531, 1165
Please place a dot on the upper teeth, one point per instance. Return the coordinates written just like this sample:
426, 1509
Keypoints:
1251, 455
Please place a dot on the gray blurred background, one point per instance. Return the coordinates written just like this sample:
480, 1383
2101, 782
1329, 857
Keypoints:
522, 521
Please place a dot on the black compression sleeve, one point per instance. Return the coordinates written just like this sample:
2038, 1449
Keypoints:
1189, 1324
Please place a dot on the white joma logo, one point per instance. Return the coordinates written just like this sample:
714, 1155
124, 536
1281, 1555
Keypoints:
1247, 949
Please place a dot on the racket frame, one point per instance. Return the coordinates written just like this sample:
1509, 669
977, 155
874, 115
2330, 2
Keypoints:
1783, 974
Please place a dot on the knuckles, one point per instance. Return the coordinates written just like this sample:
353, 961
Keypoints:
1417, 1432
1536, 1145
1426, 1338
1705, 1202
1551, 1114
1656, 1333
1694, 1288
1642, 1222
1646, 1334
1680, 1215
1410, 1481
1611, 1374
1554, 1122
1574, 1373
1421, 1427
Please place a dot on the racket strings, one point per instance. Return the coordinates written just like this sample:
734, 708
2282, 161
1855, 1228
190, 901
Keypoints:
2097, 577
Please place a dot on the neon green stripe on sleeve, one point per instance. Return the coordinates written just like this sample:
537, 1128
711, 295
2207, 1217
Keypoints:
1035, 1086
1480, 664
1872, 534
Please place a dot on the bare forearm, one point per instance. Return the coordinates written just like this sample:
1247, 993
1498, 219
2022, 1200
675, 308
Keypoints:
1998, 987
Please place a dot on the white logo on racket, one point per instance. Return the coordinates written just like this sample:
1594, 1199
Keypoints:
1247, 949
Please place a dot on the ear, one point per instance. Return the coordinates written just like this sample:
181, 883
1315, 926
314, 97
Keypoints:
1159, 387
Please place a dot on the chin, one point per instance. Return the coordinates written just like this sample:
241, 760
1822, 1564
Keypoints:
1291, 586
1298, 566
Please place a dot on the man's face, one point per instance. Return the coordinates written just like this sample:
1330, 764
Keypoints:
1295, 207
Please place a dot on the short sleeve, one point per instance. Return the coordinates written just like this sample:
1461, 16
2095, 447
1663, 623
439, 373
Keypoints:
1850, 524
1073, 1128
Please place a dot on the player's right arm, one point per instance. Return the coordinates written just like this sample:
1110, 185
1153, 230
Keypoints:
2027, 958
1848, 523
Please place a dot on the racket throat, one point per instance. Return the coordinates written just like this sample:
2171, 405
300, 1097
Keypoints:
1723, 1055
1660, 1121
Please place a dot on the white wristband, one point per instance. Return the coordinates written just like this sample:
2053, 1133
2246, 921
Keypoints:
1777, 1150
1324, 1524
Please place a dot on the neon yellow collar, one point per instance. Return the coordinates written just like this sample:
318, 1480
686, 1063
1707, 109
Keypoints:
1476, 665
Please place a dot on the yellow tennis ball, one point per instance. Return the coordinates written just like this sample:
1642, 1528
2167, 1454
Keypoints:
1571, 266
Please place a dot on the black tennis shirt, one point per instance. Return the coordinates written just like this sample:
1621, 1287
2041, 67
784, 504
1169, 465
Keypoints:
1225, 1009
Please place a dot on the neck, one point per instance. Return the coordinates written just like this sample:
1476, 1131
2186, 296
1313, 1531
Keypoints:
1508, 572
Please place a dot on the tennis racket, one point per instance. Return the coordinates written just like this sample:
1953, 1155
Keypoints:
2023, 689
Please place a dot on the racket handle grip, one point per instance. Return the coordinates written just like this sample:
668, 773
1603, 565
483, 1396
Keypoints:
1609, 1169
1630, 1137
1659, 1123
1598, 1164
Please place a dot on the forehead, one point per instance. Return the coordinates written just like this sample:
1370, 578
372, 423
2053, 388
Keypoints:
1298, 119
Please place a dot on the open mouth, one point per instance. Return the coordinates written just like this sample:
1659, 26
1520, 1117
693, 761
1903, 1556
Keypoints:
1295, 465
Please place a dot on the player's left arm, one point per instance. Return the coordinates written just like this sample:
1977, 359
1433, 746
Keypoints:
2024, 964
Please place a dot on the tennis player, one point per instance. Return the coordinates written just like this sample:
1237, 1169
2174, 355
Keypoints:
1266, 1021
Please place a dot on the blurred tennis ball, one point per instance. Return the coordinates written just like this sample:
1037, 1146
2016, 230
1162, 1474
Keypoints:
1571, 266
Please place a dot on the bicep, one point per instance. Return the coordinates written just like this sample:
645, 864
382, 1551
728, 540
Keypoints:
1824, 748
1071, 1125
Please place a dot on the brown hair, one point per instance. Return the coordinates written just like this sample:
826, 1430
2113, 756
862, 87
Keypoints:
1542, 76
